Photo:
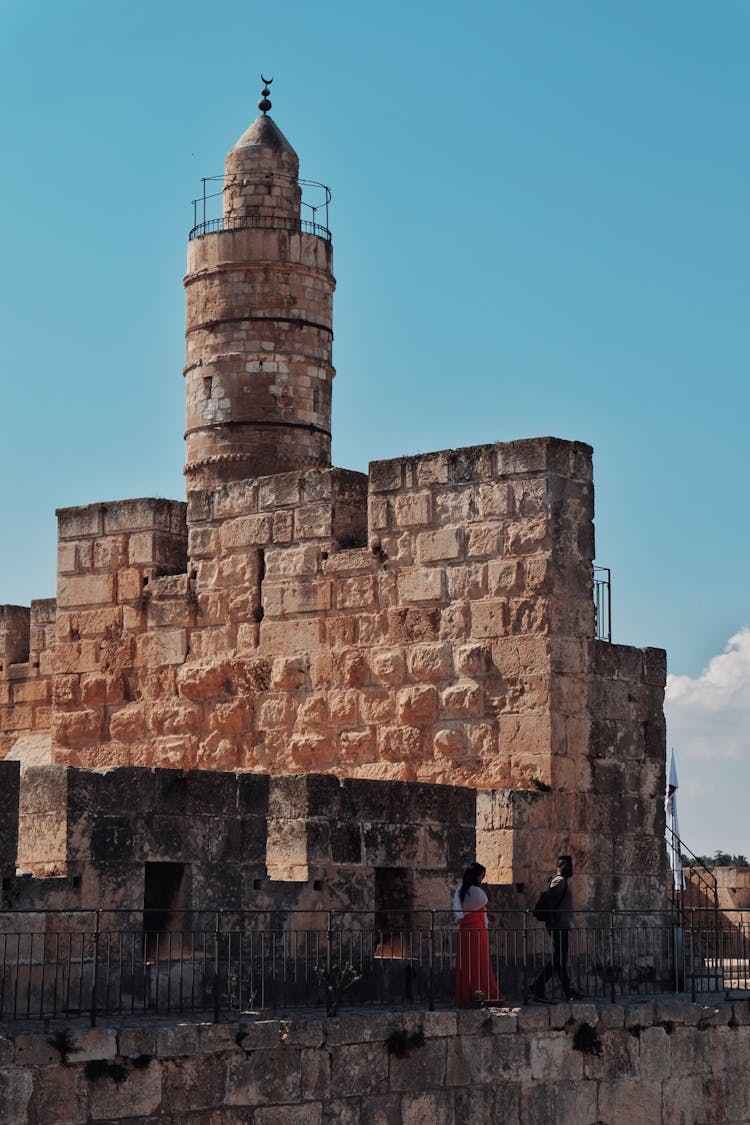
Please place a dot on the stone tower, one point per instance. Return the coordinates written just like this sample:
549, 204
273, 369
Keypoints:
258, 370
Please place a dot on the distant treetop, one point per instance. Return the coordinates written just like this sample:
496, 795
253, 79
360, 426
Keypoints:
719, 859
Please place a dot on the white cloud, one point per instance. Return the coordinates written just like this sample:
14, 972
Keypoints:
709, 716
708, 724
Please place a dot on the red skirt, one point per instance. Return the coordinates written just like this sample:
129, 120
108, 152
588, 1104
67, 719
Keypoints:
473, 966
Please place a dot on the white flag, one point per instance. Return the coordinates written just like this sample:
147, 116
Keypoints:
673, 829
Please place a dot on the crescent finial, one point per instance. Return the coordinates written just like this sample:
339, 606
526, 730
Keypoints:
264, 104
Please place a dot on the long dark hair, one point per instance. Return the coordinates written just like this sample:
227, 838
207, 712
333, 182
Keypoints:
473, 874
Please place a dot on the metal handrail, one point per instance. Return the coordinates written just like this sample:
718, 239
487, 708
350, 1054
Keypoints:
321, 192
603, 603
227, 965
260, 222
698, 872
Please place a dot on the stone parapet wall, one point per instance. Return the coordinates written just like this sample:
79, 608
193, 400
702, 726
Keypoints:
27, 646
10, 782
733, 887
255, 841
109, 558
658, 1061
626, 762
245, 841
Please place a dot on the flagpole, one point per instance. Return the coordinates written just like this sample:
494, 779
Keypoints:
676, 872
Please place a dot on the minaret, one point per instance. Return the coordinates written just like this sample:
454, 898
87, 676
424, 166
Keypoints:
259, 286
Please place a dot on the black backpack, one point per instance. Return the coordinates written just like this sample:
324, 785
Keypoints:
546, 907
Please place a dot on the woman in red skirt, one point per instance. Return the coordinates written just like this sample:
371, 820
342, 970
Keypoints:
473, 965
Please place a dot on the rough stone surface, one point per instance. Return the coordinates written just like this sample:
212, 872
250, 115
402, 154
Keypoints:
483, 1072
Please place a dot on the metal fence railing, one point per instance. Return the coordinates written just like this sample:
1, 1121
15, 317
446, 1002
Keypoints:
260, 222
603, 603
110, 963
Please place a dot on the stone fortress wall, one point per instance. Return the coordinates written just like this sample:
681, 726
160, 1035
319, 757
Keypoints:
249, 630
586, 1064
431, 622
243, 841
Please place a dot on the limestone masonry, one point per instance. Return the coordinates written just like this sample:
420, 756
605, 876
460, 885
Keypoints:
659, 1061
430, 622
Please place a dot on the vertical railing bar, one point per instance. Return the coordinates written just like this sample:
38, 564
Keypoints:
67, 973
32, 935
204, 960
82, 947
217, 932
157, 965
44, 973
108, 971
168, 937
240, 970
146, 973
132, 971
95, 972
191, 934
181, 962
2, 982
15, 982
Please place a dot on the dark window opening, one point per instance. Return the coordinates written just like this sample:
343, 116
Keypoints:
394, 949
165, 921
258, 611
394, 895
207, 386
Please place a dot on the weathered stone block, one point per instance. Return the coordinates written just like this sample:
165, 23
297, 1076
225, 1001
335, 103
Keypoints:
434, 1106
390, 845
167, 646
547, 1102
16, 1091
451, 743
421, 585
362, 1067
193, 1083
464, 698
130, 585
400, 743
91, 589
75, 727
489, 617
137, 1095
195, 792
74, 523
414, 509
417, 706
436, 546
356, 593
386, 476
247, 531
265, 1076
128, 724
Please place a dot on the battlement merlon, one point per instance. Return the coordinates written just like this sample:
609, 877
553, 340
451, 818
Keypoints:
27, 645
15, 625
108, 552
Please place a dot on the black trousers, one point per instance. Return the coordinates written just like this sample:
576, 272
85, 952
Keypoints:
558, 964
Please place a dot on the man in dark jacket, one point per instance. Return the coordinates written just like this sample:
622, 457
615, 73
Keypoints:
560, 904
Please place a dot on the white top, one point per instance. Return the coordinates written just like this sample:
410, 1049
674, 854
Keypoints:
474, 899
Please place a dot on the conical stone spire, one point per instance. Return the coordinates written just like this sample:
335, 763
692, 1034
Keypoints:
261, 172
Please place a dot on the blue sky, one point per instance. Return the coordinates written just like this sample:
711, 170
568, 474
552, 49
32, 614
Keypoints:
540, 226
